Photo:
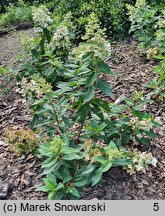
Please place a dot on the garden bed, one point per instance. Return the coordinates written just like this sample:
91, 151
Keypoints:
23, 174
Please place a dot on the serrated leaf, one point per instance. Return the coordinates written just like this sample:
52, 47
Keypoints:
129, 101
89, 94
104, 87
91, 79
105, 68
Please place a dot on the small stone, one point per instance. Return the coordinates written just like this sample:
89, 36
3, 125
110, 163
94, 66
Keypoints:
95, 198
145, 182
4, 188
162, 175
88, 189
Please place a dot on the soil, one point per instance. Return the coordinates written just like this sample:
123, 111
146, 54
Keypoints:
23, 174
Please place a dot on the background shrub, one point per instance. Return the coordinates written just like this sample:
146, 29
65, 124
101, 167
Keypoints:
16, 14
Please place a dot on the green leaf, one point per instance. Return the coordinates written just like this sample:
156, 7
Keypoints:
141, 115
66, 121
34, 121
125, 137
74, 192
49, 162
156, 124
129, 101
88, 169
105, 167
87, 57
121, 162
162, 93
91, 79
101, 126
74, 66
43, 123
53, 168
50, 184
72, 157
89, 94
101, 160
34, 53
58, 195
105, 68
70, 150
47, 34
81, 182
43, 189
59, 186
151, 134
97, 177
51, 195
143, 141
104, 87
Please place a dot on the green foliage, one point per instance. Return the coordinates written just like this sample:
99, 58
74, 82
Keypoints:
158, 85
143, 20
93, 138
148, 24
22, 141
47, 52
159, 42
70, 169
93, 40
16, 14
66, 85
111, 14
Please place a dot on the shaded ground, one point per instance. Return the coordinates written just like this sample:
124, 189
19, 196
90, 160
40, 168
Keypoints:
10, 45
24, 173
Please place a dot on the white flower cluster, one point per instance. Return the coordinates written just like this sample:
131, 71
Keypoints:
94, 40
133, 11
37, 85
140, 162
61, 37
28, 42
144, 160
41, 16
140, 3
